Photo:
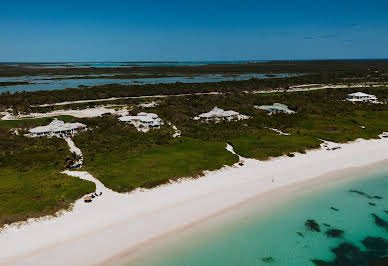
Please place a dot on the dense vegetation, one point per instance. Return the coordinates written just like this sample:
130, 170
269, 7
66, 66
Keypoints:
347, 71
31, 184
344, 67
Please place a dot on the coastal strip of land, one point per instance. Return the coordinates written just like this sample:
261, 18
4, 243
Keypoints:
115, 224
297, 88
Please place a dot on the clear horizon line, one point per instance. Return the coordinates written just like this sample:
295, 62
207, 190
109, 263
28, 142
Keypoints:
195, 61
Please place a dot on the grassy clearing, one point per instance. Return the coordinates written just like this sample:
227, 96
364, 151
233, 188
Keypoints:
343, 127
30, 181
265, 145
121, 171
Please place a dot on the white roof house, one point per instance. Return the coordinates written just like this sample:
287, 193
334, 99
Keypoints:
361, 97
275, 108
143, 121
57, 128
218, 114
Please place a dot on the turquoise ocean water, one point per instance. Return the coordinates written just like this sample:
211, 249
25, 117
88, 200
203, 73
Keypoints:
273, 232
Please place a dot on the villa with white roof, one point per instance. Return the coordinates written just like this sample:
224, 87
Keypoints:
57, 128
143, 121
219, 114
275, 108
361, 97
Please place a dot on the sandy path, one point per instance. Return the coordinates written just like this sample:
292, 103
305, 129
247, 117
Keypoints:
87, 112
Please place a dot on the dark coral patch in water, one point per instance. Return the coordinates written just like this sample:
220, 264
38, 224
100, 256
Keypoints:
380, 222
379, 262
320, 263
349, 254
312, 225
376, 245
268, 260
334, 232
364, 194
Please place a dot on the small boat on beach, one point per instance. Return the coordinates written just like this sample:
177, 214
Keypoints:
88, 199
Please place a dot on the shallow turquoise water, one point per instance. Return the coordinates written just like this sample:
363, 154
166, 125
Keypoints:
247, 235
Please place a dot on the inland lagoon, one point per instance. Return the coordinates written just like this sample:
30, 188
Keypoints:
341, 222
37, 83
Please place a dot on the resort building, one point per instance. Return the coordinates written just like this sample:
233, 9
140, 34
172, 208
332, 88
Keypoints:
361, 97
275, 108
219, 114
57, 128
143, 121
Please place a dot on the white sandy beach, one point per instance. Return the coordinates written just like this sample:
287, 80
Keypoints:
114, 223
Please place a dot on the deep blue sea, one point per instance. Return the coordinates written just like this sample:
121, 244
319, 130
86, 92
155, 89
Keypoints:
278, 235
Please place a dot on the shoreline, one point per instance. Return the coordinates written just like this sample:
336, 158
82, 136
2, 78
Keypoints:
117, 223
231, 216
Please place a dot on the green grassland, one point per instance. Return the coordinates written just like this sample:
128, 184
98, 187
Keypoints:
124, 159
31, 184
344, 127
121, 171
263, 146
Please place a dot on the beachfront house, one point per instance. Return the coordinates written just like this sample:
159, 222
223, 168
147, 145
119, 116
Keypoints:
220, 114
57, 128
143, 121
275, 108
360, 97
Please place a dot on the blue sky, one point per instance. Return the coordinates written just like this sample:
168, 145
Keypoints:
183, 30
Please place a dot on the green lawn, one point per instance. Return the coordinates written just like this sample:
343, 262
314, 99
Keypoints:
30, 181
265, 145
121, 171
